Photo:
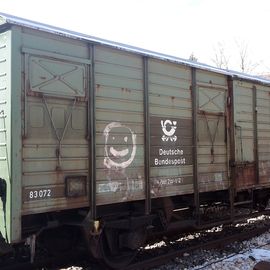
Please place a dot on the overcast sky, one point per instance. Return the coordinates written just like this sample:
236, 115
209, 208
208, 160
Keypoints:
175, 27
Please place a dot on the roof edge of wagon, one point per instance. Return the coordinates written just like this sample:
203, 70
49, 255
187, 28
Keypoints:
14, 20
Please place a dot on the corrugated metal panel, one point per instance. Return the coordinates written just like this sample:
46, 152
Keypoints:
119, 126
263, 118
171, 171
212, 148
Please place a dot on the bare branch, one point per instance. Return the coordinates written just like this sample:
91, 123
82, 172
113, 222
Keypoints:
193, 58
220, 59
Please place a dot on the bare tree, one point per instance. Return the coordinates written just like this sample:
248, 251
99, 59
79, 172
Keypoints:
193, 58
246, 65
221, 60
241, 51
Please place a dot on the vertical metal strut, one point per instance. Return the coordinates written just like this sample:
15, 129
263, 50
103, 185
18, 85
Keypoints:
231, 131
195, 144
92, 135
255, 128
146, 137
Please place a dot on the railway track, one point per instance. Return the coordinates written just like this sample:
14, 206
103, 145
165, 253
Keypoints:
164, 258
166, 250
217, 241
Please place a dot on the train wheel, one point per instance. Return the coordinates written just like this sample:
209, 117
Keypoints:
117, 249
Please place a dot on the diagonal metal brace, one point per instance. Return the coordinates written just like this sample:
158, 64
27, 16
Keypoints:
59, 138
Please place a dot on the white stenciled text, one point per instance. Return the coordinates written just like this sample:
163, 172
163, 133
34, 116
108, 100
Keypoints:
39, 194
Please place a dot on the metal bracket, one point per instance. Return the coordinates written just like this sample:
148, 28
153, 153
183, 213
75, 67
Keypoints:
59, 138
212, 136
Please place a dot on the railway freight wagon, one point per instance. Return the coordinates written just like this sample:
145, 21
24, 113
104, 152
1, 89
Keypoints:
109, 144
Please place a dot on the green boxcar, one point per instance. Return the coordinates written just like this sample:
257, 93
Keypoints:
86, 123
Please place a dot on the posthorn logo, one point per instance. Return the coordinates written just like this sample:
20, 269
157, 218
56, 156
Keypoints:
168, 129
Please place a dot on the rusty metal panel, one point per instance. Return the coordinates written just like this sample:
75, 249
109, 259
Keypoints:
54, 77
171, 161
244, 118
119, 126
263, 118
245, 176
211, 138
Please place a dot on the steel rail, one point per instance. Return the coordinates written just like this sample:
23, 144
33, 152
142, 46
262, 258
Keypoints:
161, 259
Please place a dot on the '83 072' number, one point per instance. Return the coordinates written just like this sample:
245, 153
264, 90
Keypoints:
40, 194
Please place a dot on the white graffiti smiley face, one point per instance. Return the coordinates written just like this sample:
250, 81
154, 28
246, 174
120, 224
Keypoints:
120, 146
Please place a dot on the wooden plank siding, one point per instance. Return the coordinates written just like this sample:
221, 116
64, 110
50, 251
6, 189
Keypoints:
211, 139
171, 161
263, 129
54, 127
244, 134
119, 126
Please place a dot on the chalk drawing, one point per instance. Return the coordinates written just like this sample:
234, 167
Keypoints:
120, 146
